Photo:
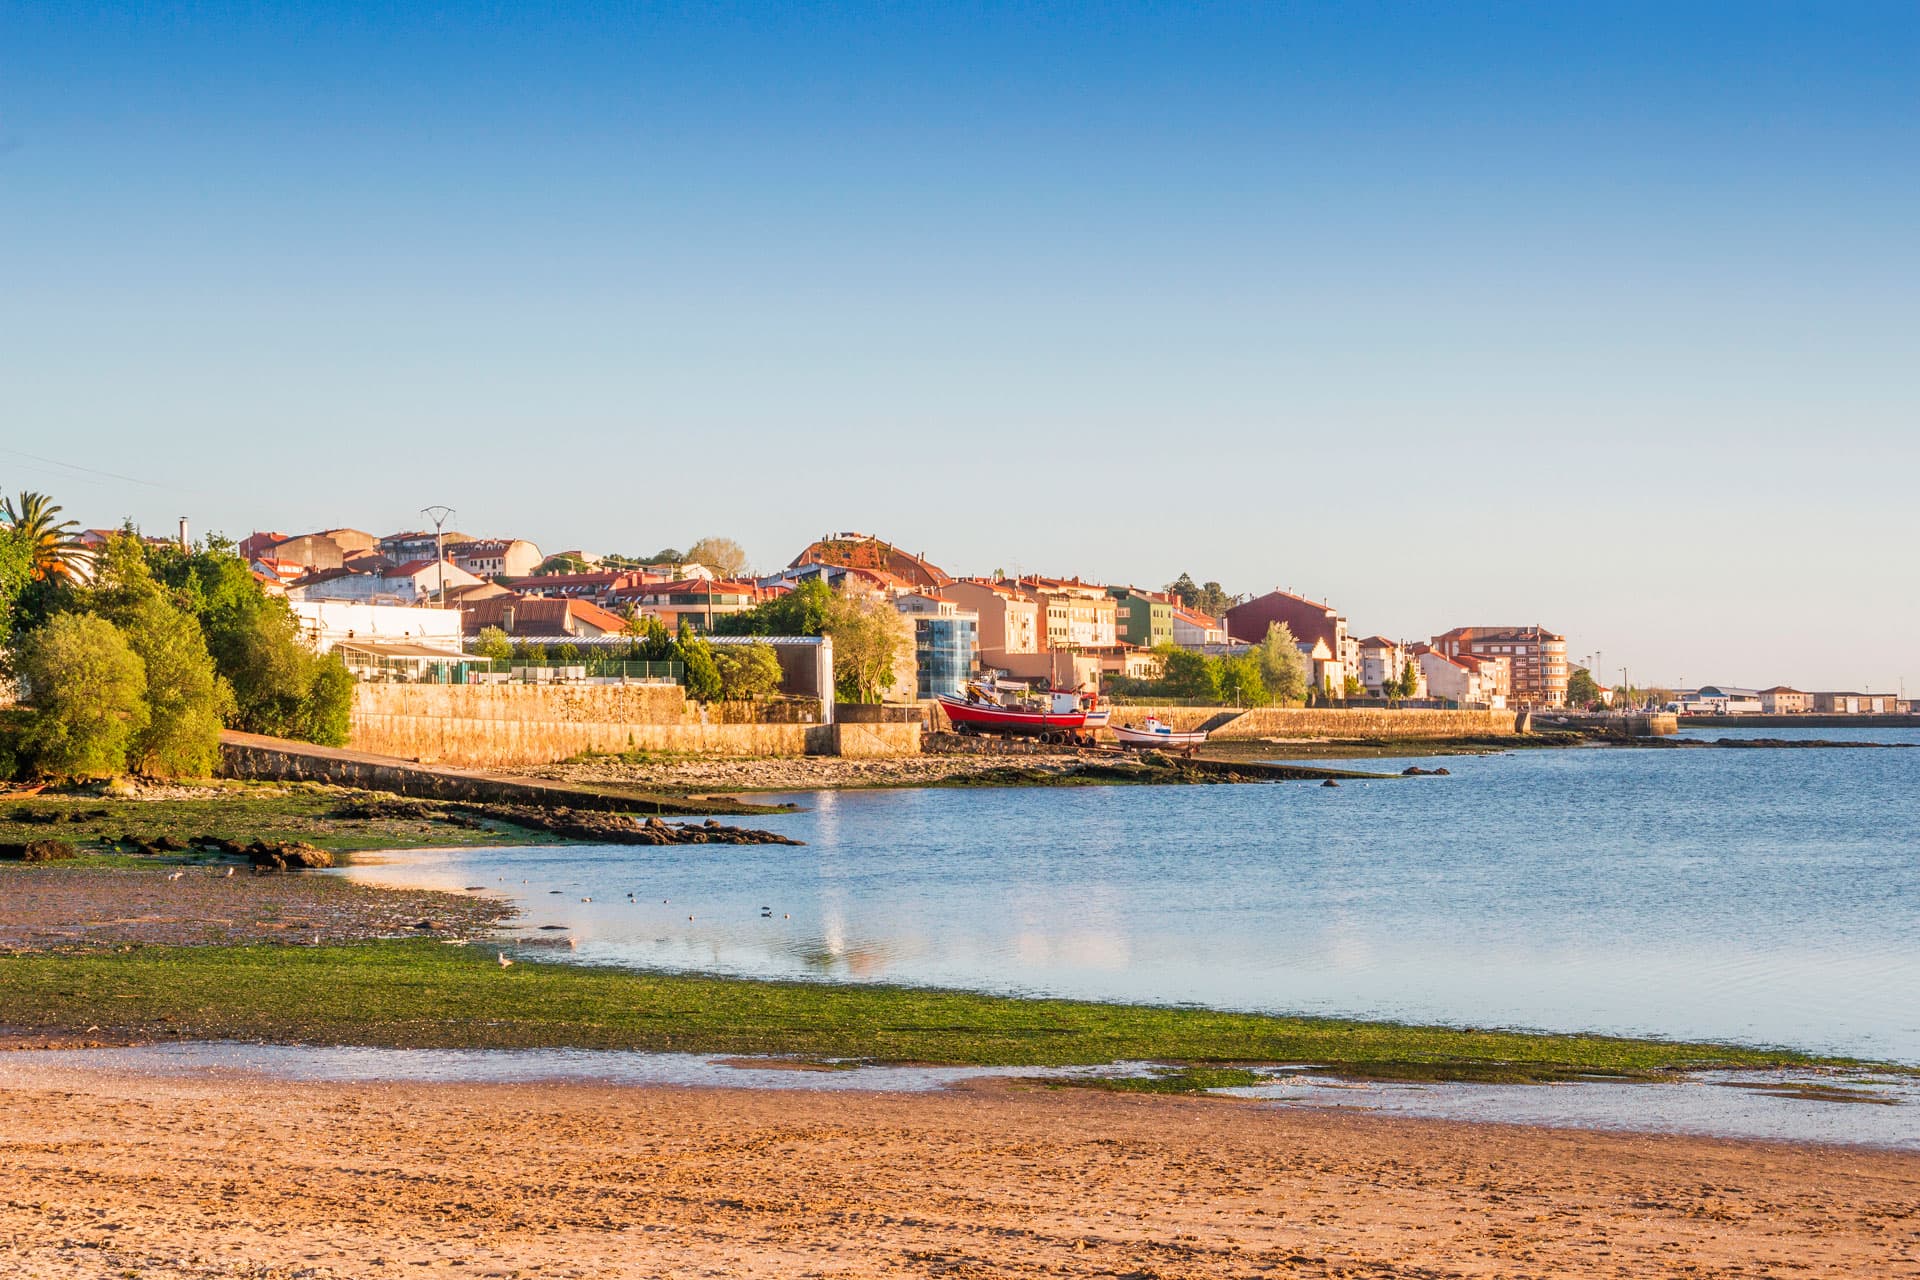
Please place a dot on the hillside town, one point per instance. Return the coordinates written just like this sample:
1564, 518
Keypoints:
415, 603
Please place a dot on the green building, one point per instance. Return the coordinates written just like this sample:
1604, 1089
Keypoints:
1143, 618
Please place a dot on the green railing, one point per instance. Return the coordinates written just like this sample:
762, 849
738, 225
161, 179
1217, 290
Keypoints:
562, 669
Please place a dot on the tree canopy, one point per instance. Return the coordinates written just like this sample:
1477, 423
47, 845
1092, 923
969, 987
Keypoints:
54, 547
1283, 668
1211, 598
722, 555
86, 693
869, 638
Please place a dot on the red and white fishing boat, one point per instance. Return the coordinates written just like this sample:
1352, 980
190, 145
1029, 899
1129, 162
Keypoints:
1156, 734
1051, 714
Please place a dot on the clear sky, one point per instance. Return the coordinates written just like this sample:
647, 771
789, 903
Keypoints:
1601, 316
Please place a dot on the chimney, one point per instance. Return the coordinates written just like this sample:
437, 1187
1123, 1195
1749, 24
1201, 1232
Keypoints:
184, 546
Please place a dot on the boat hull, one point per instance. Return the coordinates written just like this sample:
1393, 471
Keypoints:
1132, 737
982, 717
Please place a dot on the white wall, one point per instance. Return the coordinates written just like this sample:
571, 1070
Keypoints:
327, 622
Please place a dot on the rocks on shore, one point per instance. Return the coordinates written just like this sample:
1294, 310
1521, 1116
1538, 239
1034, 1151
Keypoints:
38, 851
621, 828
287, 855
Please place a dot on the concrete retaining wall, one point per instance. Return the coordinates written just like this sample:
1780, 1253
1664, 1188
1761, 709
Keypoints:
1225, 725
504, 726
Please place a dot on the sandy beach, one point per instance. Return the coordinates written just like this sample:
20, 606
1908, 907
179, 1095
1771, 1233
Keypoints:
103, 1173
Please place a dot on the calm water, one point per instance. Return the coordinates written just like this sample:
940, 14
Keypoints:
1770, 897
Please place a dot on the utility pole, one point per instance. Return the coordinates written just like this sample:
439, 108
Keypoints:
439, 516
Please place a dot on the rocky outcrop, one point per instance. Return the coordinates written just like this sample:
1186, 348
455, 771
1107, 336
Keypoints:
618, 828
288, 855
38, 851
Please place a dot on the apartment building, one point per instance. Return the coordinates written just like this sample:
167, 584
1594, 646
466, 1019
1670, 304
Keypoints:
1142, 618
1074, 614
1538, 658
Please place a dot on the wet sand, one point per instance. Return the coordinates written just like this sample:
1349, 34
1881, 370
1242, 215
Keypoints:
106, 1173
53, 908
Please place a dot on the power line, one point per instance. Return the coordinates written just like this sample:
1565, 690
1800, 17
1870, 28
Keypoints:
94, 471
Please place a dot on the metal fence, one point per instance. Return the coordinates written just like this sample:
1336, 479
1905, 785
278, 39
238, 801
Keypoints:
562, 671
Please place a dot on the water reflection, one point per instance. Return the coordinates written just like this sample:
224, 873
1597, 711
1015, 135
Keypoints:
1762, 896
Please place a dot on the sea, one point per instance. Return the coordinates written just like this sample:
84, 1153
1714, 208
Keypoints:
1763, 896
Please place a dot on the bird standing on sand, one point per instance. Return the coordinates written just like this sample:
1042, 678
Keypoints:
504, 962
229, 874
175, 876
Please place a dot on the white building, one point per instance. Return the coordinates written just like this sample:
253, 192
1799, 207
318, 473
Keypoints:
1191, 628
1726, 700
496, 557
1380, 662
1460, 680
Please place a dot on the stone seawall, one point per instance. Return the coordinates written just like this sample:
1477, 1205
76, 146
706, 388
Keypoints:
261, 759
506, 726
1227, 725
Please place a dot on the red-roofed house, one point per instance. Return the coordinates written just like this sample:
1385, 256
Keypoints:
695, 599
864, 551
535, 616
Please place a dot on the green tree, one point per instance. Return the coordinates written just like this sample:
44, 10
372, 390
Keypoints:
652, 641
86, 696
702, 677
869, 638
1240, 681
1211, 599
747, 671
803, 611
567, 652
493, 644
325, 713
187, 700
1353, 688
58, 555
1582, 689
280, 685
1407, 683
16, 574
1283, 668
1188, 675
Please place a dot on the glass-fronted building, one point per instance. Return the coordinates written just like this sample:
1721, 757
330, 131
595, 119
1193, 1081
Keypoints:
947, 650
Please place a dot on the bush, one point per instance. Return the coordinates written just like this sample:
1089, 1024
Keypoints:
326, 713
186, 699
493, 643
702, 677
747, 671
86, 693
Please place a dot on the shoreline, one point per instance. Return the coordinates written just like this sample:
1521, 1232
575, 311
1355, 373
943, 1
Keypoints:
191, 1179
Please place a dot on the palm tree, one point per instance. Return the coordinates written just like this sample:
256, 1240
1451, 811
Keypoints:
58, 554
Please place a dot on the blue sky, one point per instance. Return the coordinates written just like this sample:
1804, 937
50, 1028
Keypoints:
1598, 316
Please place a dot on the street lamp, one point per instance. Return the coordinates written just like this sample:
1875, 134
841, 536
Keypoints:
439, 516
